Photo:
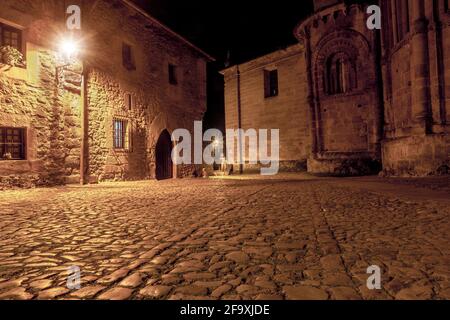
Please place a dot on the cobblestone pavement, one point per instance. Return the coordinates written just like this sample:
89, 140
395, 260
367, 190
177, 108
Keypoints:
290, 237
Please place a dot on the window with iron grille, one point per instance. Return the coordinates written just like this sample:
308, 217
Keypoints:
12, 143
172, 74
10, 36
270, 83
121, 134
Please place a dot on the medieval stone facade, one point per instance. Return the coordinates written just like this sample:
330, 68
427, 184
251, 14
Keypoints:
349, 100
104, 113
279, 109
416, 83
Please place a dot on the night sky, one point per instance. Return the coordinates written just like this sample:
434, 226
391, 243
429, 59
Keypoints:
245, 29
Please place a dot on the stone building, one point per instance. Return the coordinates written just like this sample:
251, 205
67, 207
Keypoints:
268, 107
349, 100
107, 113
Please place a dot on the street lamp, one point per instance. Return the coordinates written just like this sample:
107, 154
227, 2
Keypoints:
216, 145
68, 49
68, 53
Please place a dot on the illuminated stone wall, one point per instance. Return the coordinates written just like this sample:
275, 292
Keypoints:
157, 104
32, 99
50, 108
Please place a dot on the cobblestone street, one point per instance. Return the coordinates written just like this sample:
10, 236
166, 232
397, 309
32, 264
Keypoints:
289, 237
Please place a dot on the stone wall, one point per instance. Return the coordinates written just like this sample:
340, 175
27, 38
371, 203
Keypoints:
157, 104
416, 76
417, 156
394, 118
346, 119
288, 111
334, 133
33, 99
49, 106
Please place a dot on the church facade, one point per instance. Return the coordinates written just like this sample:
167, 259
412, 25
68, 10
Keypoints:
349, 100
105, 115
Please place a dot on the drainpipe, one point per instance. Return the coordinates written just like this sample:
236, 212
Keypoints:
238, 77
84, 125
84, 150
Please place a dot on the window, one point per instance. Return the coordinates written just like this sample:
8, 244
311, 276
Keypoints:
127, 57
336, 79
10, 36
340, 75
172, 74
121, 134
402, 19
12, 143
129, 101
270, 83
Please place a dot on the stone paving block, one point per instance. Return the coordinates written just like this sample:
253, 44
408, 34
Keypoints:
259, 248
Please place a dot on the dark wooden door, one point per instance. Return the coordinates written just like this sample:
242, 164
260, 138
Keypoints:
164, 166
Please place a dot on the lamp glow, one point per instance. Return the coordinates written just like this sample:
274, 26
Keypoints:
68, 48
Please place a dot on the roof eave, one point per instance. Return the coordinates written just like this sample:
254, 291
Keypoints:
168, 30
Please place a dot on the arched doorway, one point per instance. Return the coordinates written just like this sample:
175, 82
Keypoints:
164, 165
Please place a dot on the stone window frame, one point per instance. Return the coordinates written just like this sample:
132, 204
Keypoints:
22, 143
129, 101
172, 73
338, 81
125, 144
271, 83
128, 59
4, 27
351, 43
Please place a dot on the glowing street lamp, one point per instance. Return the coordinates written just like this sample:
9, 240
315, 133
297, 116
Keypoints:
215, 145
68, 49
68, 52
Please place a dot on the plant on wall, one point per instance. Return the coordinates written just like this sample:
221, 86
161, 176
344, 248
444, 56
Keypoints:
12, 57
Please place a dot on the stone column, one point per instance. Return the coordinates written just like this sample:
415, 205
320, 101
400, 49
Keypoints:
311, 96
420, 77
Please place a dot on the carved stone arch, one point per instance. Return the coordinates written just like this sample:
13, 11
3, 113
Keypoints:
339, 73
347, 45
159, 141
350, 35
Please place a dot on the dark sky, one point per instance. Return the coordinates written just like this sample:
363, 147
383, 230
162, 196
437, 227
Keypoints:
245, 28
